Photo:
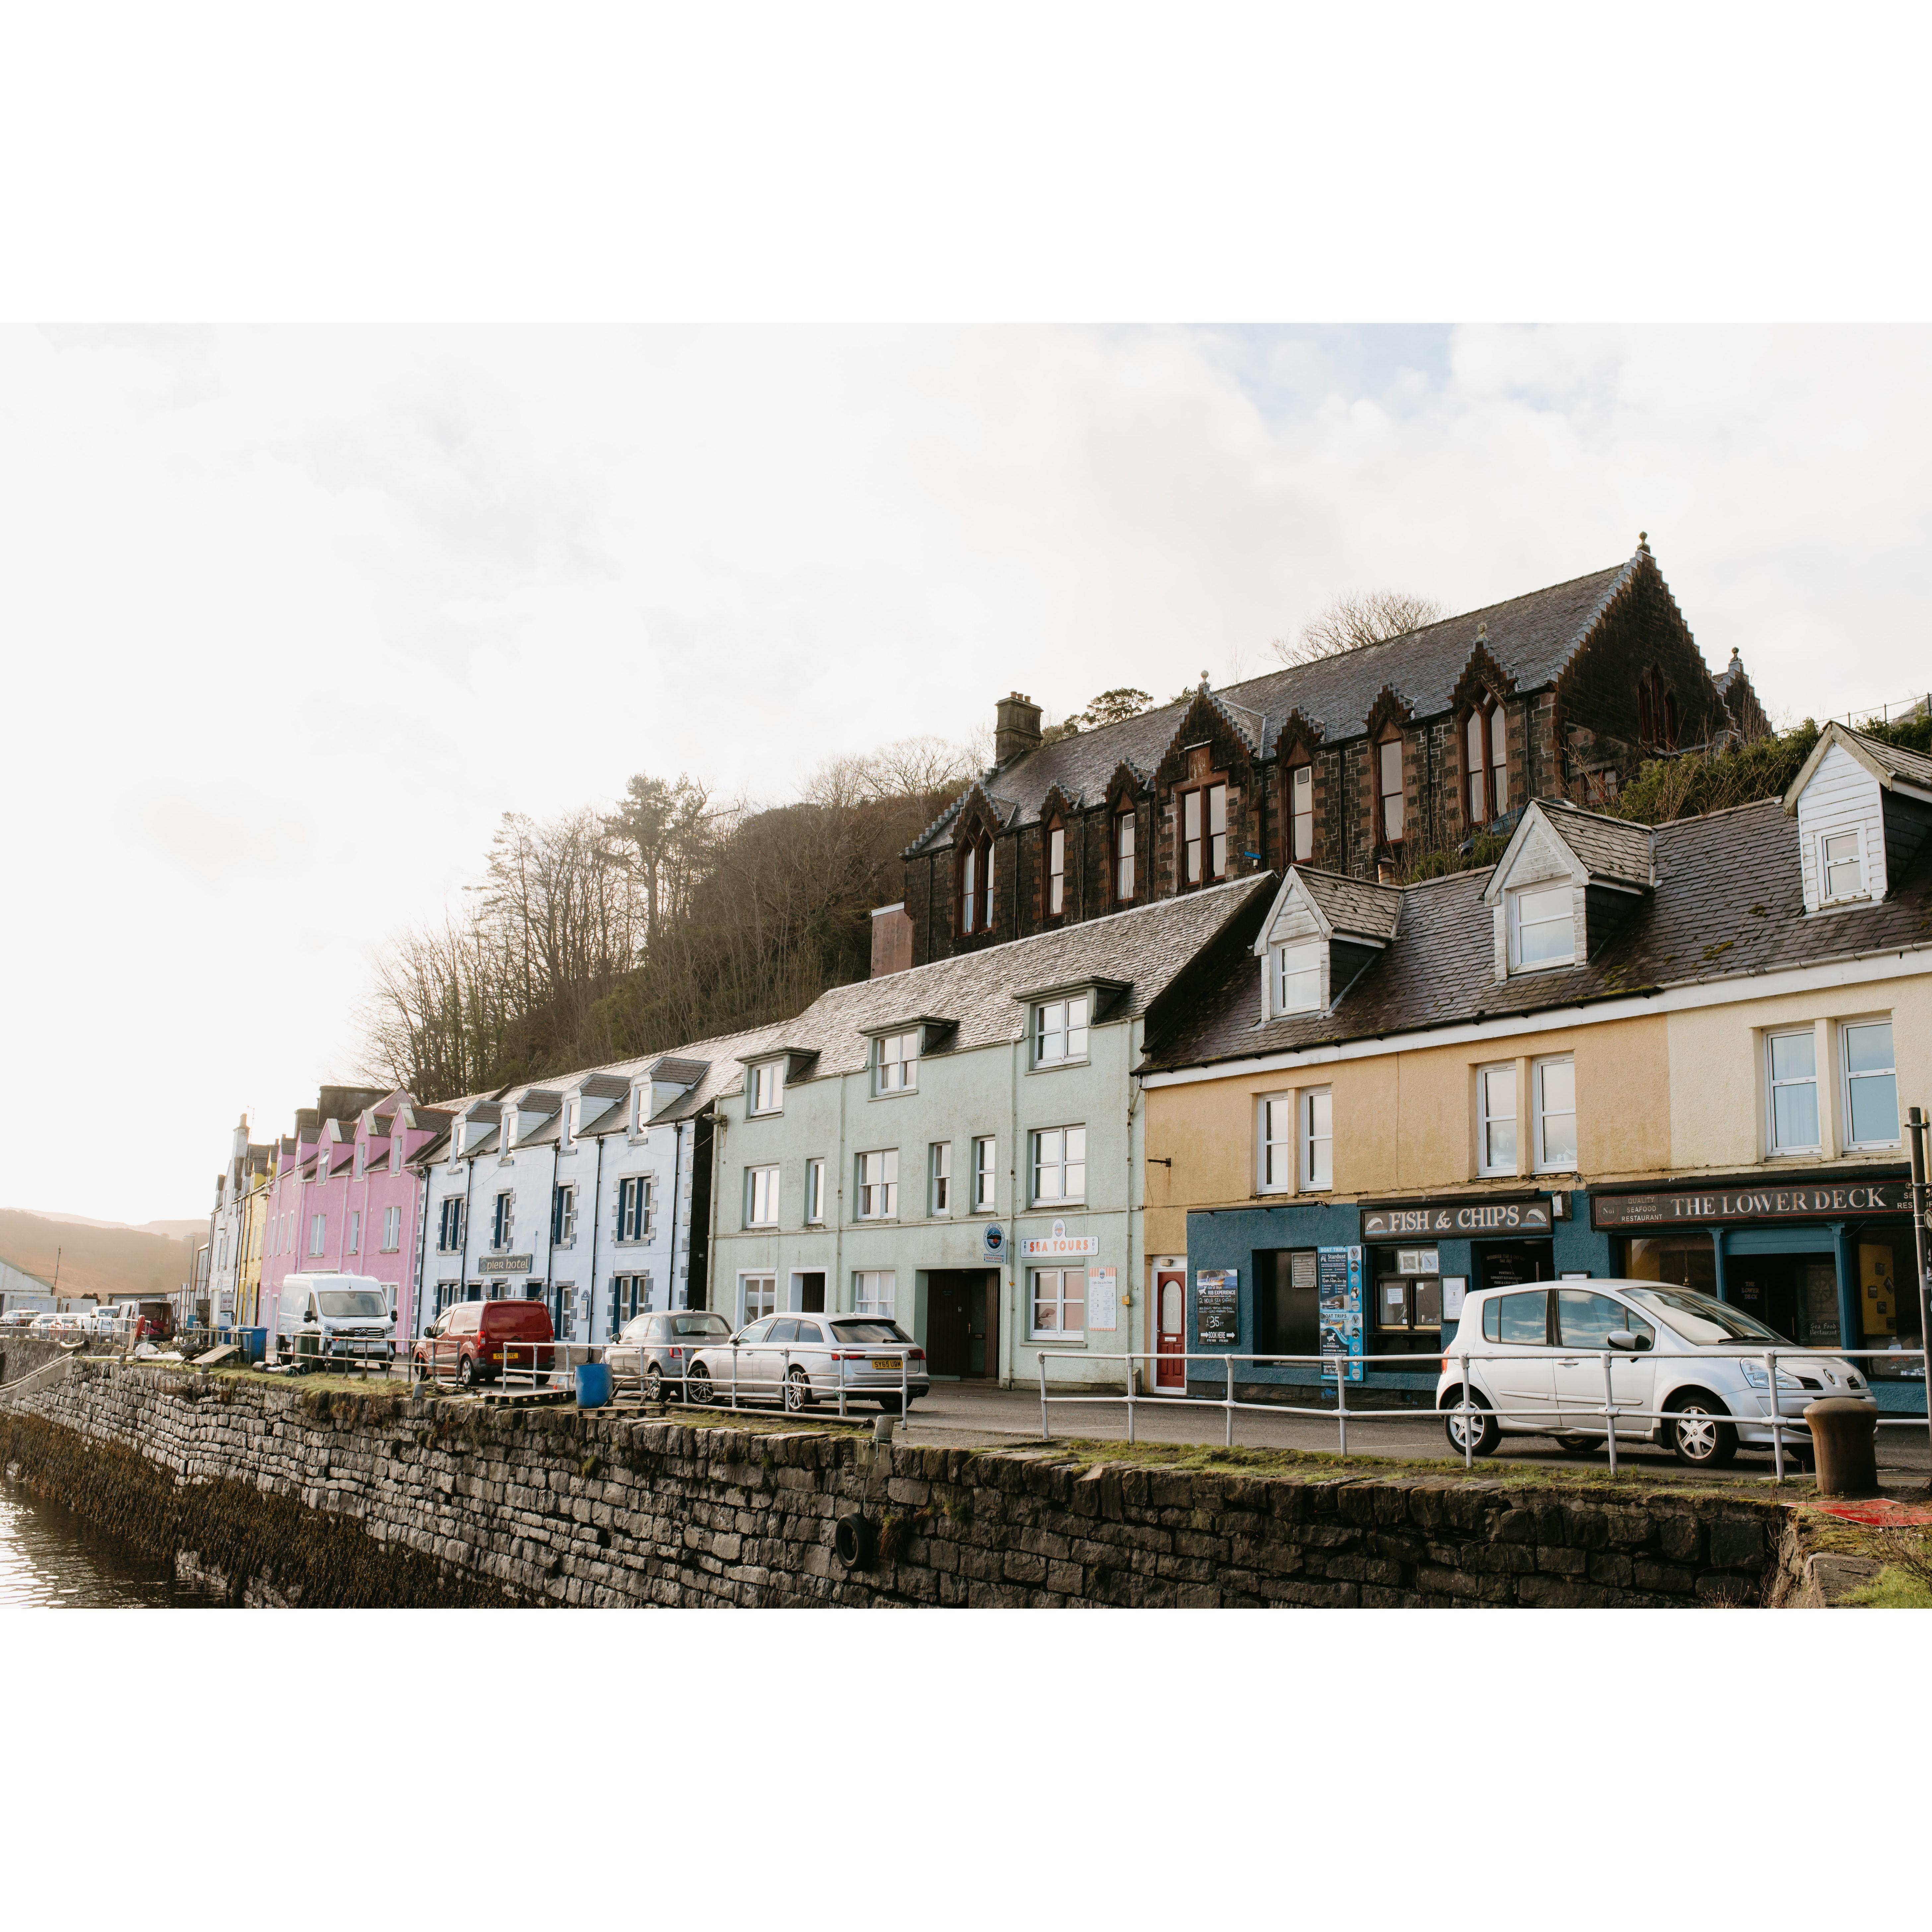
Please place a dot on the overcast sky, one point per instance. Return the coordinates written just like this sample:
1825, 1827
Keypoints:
291, 617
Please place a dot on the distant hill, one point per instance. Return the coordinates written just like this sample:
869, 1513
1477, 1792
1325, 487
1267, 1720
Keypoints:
94, 1259
172, 1229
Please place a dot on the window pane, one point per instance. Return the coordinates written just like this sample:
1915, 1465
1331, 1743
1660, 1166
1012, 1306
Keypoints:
1794, 1115
1076, 1028
1559, 1140
1524, 1318
1793, 1056
1391, 757
1303, 784
1544, 927
1587, 1320
1843, 874
1874, 1107
1868, 1048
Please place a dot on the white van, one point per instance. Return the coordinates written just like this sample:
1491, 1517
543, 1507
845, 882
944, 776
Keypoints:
338, 1315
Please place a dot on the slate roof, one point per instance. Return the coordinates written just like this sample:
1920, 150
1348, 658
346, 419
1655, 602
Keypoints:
1728, 903
1913, 767
1609, 848
1532, 638
1353, 906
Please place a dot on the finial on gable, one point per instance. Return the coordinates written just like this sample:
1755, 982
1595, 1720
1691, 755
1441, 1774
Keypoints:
1643, 541
1483, 633
1204, 680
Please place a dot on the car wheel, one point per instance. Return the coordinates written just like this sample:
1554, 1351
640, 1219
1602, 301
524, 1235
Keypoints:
1477, 1432
1578, 1445
465, 1373
1695, 1434
798, 1391
700, 1384
654, 1387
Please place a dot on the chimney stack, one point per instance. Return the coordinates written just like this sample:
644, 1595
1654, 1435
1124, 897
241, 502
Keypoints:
891, 939
1016, 727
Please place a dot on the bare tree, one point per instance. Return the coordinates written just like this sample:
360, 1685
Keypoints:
1358, 618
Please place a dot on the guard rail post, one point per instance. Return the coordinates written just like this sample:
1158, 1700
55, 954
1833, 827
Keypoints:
1045, 1427
734, 1372
1342, 1398
1468, 1409
905, 1387
1130, 1395
1229, 1410
1777, 1432
1609, 1414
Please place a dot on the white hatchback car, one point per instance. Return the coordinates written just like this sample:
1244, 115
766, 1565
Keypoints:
1536, 1368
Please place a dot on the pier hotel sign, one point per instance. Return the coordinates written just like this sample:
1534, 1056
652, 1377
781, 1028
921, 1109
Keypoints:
1726, 1203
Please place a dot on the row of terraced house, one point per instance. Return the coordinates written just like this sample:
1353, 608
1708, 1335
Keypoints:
1161, 1057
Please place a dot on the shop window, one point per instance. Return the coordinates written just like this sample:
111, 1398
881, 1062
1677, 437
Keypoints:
1388, 786
1124, 853
1277, 1120
1059, 1302
1495, 1119
1888, 1307
1318, 1139
1301, 812
1871, 1084
1683, 1261
1555, 1116
1542, 929
1405, 1306
1298, 979
1792, 1064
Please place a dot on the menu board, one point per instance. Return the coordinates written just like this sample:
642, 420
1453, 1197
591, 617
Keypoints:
1103, 1299
1338, 1279
1217, 1312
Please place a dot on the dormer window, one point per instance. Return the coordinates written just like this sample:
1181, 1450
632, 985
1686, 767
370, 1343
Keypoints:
1297, 980
768, 1087
1056, 871
1124, 852
1059, 1031
1301, 812
1542, 928
1388, 788
1842, 864
896, 1064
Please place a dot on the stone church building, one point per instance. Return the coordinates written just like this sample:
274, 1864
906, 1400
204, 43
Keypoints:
1361, 763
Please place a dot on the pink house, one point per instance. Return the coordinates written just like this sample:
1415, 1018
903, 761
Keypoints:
344, 1197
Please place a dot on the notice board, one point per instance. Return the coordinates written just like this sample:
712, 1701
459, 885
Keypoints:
1338, 1274
1217, 1310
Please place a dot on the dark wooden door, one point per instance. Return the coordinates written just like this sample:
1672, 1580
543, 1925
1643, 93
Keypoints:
948, 1351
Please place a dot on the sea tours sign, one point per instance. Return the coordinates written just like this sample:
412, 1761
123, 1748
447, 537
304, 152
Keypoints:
1060, 1245
1404, 1218
1750, 1203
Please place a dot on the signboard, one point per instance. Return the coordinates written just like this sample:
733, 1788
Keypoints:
1455, 1292
1060, 1245
1103, 1299
1339, 1280
993, 1241
1529, 1215
1217, 1307
1749, 1204
1418, 1261
504, 1264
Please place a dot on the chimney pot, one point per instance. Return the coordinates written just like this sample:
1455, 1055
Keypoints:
1016, 727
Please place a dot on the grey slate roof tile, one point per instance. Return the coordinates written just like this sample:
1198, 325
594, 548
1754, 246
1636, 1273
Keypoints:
1609, 848
1353, 906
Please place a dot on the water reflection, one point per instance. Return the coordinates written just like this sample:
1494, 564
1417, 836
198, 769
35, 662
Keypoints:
48, 1556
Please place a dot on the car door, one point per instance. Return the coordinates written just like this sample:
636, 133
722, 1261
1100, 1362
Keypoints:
754, 1361
1519, 1368
1586, 1320
812, 1355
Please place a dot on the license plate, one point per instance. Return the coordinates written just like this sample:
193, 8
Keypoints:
890, 1363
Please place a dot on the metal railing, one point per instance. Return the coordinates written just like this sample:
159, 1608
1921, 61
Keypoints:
1779, 1421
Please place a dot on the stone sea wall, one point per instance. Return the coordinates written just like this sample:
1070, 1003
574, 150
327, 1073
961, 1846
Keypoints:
272, 1494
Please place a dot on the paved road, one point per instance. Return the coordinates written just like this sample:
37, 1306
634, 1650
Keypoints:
957, 1414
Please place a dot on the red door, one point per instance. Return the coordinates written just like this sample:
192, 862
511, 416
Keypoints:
1170, 1294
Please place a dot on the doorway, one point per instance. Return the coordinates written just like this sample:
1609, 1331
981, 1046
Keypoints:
1170, 1296
962, 1322
1795, 1295
1514, 1264
808, 1292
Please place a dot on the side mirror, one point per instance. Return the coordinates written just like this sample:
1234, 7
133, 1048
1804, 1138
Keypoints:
1624, 1338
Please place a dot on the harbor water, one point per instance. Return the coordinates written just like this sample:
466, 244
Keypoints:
49, 1558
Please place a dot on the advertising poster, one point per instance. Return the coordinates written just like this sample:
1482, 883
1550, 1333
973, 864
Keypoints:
1339, 1279
1217, 1307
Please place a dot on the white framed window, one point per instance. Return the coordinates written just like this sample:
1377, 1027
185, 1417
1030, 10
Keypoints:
1541, 931
814, 1191
1056, 871
1060, 1032
757, 1297
875, 1291
1296, 985
355, 1230
969, 890
1318, 1138
1301, 811
361, 1160
392, 1230
1059, 1164
761, 1197
1498, 763
1276, 1118
503, 1218
1495, 1119
318, 1234
1791, 1063
641, 1111
636, 1203
1388, 785
768, 1087
563, 1216
1059, 1300
1123, 855
896, 1064
1871, 1084
1475, 763
939, 1175
1556, 1081
1841, 872
449, 1225
985, 1175
879, 1185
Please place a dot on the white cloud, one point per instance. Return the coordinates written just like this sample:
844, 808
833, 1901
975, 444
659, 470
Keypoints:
292, 617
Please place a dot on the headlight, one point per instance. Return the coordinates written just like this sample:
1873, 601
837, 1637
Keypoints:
1754, 1374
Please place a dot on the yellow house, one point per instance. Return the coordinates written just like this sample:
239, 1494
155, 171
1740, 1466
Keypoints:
1684, 1052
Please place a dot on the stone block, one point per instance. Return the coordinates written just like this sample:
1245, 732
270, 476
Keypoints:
1737, 1542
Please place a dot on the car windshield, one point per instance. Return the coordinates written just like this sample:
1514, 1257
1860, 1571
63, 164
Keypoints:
633, 1329
345, 1304
1703, 1319
869, 1331
700, 1325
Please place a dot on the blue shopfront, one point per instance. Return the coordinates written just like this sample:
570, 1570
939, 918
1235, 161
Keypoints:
1363, 1282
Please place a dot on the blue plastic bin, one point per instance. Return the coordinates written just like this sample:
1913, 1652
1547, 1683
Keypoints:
254, 1342
593, 1385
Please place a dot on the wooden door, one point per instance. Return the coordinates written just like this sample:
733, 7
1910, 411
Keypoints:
947, 1339
1170, 1296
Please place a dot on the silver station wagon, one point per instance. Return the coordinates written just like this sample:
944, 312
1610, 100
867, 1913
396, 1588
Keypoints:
652, 1351
802, 1359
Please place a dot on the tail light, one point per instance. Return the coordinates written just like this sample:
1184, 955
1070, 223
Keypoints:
1445, 1365
839, 1356
917, 1355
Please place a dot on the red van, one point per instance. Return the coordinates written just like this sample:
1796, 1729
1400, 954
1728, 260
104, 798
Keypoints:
466, 1342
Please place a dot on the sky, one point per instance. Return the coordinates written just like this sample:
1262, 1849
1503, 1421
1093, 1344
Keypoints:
289, 617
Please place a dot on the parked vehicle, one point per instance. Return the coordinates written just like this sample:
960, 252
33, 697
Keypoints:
465, 1343
1659, 1340
802, 1360
651, 1351
335, 1317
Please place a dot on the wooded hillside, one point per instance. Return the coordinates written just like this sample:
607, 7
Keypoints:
94, 1260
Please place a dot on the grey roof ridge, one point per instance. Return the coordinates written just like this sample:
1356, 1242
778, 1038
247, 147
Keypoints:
1610, 818
1719, 812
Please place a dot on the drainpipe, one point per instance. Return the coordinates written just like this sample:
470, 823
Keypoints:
1131, 1270
1717, 1257
596, 1218
677, 1198
1922, 1209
